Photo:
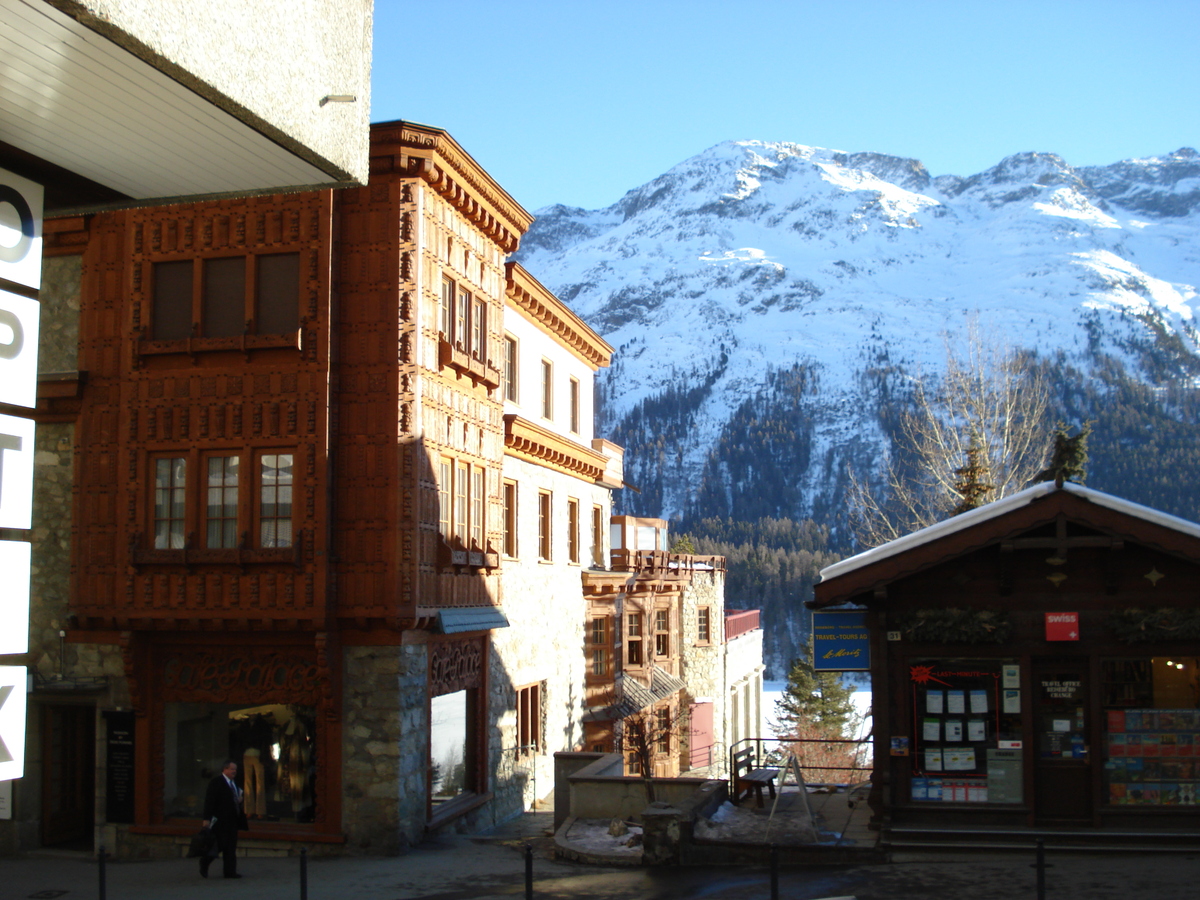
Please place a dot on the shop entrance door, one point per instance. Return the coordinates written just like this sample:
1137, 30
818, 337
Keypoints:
1062, 758
68, 785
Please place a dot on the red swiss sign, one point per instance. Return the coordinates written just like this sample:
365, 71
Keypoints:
1062, 626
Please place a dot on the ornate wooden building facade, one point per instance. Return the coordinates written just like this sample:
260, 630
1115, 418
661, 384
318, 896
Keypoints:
289, 498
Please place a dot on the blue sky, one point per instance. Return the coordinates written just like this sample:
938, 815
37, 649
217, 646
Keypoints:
576, 102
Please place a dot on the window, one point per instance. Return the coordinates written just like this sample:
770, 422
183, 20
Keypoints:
547, 389
462, 489
510, 368
445, 511
226, 510
575, 406
254, 733
633, 639
544, 525
529, 720
662, 727
226, 296
446, 309
221, 512
170, 495
573, 530
478, 329
477, 507
662, 635
510, 518
703, 625
599, 645
275, 507
598, 536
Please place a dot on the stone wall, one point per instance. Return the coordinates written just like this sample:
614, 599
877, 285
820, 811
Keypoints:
58, 338
385, 728
704, 663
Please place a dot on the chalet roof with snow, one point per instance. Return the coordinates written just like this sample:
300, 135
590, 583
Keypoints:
1110, 521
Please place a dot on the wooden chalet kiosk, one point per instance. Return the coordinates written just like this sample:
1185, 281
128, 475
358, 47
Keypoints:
1036, 668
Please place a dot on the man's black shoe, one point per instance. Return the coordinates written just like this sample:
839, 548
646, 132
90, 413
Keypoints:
234, 875
205, 861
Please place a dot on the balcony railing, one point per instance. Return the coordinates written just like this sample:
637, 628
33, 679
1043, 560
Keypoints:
738, 622
664, 563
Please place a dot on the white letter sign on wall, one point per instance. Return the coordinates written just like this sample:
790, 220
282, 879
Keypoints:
16, 473
20, 230
14, 597
12, 722
18, 349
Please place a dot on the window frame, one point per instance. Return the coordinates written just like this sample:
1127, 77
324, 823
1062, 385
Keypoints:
545, 526
662, 633
207, 458
598, 536
573, 531
704, 625
510, 497
177, 505
573, 391
547, 390
260, 495
530, 724
511, 370
634, 638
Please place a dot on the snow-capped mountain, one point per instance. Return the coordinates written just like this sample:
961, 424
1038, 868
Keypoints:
767, 299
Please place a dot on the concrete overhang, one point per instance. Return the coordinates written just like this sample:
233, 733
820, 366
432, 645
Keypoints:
124, 102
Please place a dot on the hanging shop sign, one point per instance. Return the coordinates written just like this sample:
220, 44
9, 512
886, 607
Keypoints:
12, 722
1062, 626
841, 642
20, 230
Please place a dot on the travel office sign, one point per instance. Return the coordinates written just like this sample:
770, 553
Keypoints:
20, 279
841, 642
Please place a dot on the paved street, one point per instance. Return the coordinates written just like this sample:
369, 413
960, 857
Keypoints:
463, 868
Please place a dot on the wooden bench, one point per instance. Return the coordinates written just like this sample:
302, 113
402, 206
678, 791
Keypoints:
748, 776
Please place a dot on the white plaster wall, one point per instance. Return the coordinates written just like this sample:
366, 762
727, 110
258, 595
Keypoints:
534, 345
547, 617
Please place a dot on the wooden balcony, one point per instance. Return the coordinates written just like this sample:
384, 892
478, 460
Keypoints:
739, 622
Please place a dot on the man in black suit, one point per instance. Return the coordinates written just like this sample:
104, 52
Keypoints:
223, 803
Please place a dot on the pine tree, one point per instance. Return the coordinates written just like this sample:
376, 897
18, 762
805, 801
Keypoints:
972, 486
1069, 459
813, 698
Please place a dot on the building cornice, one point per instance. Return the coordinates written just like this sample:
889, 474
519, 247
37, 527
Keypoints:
533, 443
429, 153
541, 307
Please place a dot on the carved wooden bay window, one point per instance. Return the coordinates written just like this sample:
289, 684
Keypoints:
462, 515
224, 302
203, 510
463, 334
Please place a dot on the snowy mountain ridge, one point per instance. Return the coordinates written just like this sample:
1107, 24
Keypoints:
811, 283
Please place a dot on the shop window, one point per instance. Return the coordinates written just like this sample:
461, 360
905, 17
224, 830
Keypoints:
529, 720
544, 525
967, 731
703, 625
170, 501
451, 745
510, 518
573, 530
274, 746
1152, 731
662, 632
633, 639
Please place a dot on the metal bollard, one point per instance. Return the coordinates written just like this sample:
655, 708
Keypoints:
103, 894
528, 872
303, 873
774, 872
1041, 865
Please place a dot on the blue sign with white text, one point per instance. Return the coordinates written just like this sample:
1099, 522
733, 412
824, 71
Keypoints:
841, 642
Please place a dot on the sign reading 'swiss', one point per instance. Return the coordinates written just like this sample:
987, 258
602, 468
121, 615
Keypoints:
20, 276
